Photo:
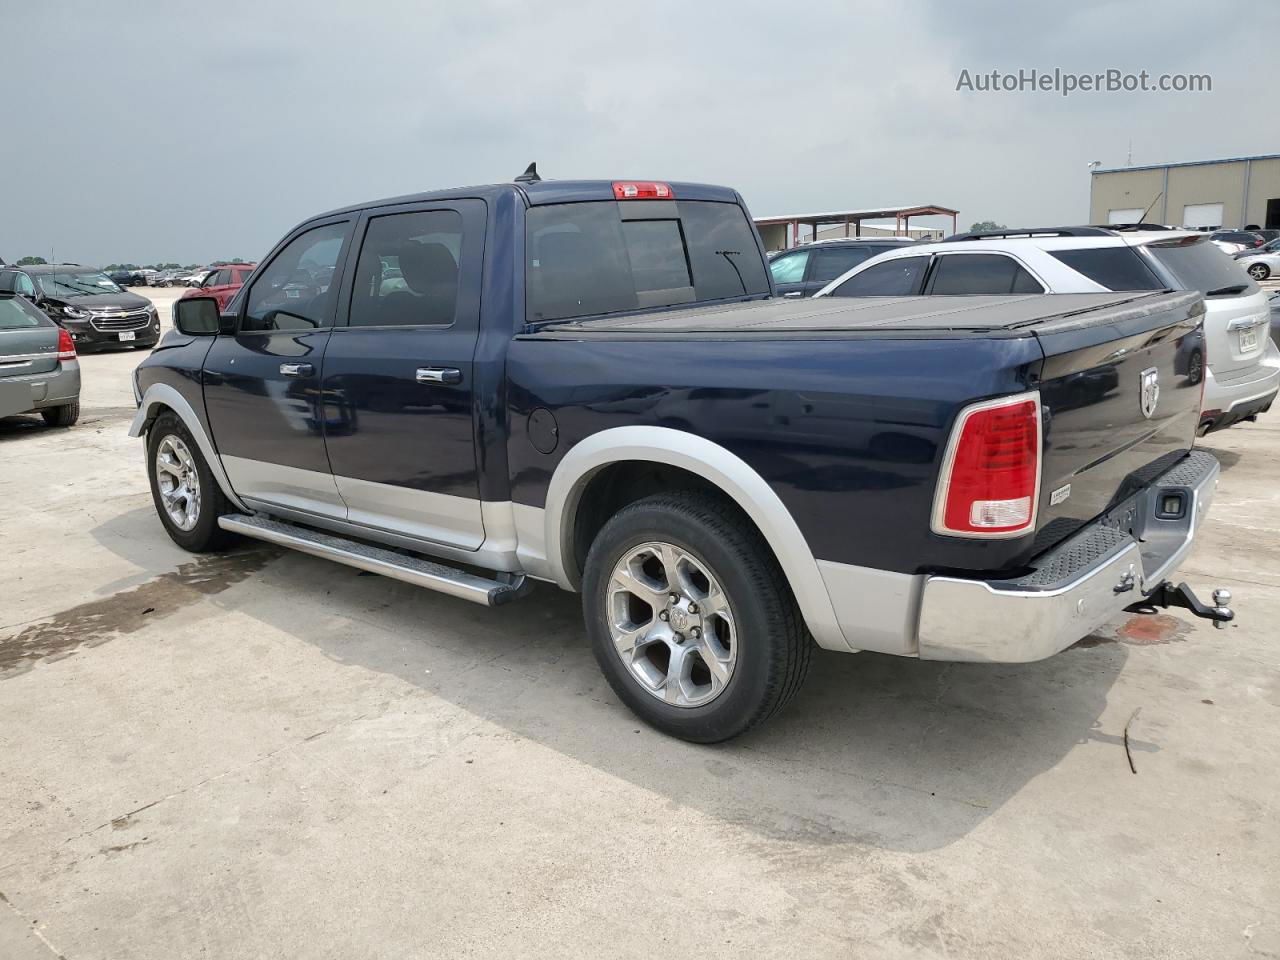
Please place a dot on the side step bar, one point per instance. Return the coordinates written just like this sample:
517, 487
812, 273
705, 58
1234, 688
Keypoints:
416, 570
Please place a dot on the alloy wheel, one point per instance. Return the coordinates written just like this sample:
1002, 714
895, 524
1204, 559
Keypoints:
178, 481
672, 624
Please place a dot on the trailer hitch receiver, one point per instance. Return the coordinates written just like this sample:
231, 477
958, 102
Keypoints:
1167, 595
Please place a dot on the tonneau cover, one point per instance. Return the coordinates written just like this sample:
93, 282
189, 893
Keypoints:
994, 315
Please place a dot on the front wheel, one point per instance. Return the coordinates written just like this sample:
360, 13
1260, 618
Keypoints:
691, 618
1195, 368
187, 497
1259, 271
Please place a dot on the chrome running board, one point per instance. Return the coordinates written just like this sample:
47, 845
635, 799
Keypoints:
388, 563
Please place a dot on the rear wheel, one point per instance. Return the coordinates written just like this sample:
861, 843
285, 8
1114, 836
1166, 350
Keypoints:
691, 618
63, 416
1259, 271
186, 494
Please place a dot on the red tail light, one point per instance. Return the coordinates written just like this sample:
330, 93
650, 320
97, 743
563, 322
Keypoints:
642, 190
66, 346
990, 482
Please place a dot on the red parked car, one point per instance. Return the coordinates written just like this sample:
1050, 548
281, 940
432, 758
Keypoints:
222, 283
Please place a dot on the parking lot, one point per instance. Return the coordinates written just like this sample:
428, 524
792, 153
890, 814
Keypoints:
265, 754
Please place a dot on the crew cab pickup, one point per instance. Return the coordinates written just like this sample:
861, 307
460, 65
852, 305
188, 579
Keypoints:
591, 383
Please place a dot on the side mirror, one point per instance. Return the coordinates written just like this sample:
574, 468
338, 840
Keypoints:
196, 316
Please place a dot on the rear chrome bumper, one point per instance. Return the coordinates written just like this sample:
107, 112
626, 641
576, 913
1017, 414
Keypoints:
1075, 587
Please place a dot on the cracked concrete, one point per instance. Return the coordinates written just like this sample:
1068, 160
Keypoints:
283, 758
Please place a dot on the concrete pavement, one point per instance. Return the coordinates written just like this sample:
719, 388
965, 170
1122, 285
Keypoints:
264, 754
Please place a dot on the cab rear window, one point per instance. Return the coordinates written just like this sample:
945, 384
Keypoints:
587, 259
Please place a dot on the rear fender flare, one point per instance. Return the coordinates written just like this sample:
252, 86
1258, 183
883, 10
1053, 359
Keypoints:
729, 472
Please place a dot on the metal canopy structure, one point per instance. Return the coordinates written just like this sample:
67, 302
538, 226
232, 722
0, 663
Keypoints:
900, 215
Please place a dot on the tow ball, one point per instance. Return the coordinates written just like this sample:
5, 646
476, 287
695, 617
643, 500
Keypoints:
1167, 595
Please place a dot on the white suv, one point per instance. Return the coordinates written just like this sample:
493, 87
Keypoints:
1243, 373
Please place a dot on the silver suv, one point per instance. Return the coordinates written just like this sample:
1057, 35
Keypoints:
1242, 375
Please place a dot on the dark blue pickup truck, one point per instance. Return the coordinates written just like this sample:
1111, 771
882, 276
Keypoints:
591, 383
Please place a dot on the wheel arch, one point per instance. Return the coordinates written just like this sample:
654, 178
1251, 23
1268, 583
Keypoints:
164, 398
718, 469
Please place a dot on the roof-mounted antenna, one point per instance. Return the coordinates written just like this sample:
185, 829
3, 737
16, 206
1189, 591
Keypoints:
530, 174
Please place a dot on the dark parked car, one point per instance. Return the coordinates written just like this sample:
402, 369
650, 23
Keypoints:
1245, 238
804, 271
127, 278
86, 303
38, 367
591, 383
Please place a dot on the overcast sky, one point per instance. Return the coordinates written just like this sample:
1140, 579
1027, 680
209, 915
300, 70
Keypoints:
154, 130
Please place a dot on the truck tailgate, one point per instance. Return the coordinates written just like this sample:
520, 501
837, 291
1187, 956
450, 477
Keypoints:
1121, 399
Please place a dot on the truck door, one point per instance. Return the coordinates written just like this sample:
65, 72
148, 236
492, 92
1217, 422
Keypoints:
262, 385
398, 370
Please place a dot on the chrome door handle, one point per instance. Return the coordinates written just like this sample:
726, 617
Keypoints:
296, 369
439, 375
794, 293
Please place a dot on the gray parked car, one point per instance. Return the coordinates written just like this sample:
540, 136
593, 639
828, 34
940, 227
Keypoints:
38, 366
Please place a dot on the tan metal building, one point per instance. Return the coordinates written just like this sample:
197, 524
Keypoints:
1204, 194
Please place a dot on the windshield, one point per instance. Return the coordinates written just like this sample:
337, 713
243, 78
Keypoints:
64, 285
1197, 264
16, 314
586, 259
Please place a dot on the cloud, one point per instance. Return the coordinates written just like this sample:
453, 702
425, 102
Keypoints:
184, 133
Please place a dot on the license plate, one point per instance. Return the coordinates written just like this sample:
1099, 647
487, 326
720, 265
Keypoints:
1248, 339
293, 294
128, 335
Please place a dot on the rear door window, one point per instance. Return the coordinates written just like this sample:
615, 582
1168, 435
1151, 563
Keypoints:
1196, 264
970, 274
407, 274
586, 259
1116, 268
899, 277
830, 263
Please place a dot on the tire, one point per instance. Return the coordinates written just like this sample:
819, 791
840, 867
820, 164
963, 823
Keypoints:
203, 535
762, 631
1195, 367
63, 416
1259, 271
